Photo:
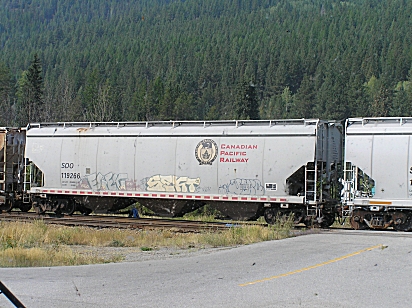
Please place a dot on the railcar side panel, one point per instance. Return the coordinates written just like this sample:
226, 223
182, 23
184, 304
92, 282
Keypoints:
378, 187
383, 154
282, 158
187, 163
47, 153
114, 164
358, 149
390, 166
84, 155
156, 169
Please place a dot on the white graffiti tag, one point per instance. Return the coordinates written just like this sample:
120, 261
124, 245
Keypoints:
172, 183
108, 181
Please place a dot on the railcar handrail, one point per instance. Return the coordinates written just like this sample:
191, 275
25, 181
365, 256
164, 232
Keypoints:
363, 121
174, 124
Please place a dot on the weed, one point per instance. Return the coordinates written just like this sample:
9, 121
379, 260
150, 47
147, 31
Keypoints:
117, 243
38, 244
205, 213
21, 257
8, 242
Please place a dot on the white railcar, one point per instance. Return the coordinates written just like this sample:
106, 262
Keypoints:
378, 172
243, 168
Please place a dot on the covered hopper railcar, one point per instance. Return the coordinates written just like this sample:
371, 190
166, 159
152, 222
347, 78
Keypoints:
245, 169
378, 173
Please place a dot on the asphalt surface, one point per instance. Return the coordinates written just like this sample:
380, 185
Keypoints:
332, 269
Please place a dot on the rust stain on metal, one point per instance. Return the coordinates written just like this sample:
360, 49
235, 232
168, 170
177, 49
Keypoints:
2, 140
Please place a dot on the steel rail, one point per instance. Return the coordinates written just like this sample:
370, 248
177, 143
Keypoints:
100, 221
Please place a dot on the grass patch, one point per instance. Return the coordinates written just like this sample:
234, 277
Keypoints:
46, 256
342, 223
39, 244
205, 213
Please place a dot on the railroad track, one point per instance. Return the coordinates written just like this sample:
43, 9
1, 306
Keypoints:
101, 221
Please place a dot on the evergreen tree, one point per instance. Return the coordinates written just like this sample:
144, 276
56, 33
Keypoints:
6, 89
137, 108
168, 102
304, 99
90, 95
183, 108
153, 99
287, 100
30, 93
379, 98
357, 97
61, 102
402, 102
247, 107
102, 109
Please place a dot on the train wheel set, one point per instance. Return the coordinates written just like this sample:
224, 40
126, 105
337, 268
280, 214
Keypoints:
362, 219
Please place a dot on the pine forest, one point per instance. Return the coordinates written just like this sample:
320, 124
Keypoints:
144, 60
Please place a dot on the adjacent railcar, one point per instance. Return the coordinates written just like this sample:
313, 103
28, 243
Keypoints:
245, 169
12, 164
378, 173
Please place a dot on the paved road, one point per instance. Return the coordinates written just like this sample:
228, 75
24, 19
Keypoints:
354, 269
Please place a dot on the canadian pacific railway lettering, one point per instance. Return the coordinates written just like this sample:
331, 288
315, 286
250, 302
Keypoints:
242, 159
232, 153
239, 146
233, 160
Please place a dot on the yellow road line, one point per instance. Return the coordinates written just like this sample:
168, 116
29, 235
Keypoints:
311, 267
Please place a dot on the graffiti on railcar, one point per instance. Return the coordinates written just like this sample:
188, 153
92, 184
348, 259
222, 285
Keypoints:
172, 183
108, 181
242, 187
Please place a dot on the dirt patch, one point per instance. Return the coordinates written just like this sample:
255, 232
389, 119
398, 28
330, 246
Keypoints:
136, 254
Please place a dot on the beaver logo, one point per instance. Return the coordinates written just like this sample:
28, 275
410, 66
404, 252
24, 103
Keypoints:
206, 152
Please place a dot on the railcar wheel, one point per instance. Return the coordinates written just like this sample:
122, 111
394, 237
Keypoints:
356, 220
39, 207
86, 211
328, 220
25, 207
273, 216
310, 222
7, 206
401, 221
298, 217
270, 216
39, 210
68, 208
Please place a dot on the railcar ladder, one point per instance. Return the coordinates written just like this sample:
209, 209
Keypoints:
26, 182
3, 158
9, 166
311, 177
349, 187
